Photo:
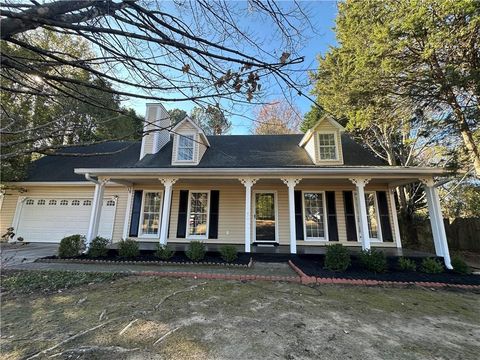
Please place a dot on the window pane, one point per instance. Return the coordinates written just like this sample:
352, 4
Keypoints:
371, 215
151, 213
314, 216
185, 147
197, 223
327, 148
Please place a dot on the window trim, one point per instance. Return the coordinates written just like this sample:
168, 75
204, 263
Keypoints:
194, 149
325, 222
253, 212
140, 223
335, 139
379, 237
197, 237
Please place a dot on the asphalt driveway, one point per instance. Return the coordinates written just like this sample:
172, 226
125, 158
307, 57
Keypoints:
16, 254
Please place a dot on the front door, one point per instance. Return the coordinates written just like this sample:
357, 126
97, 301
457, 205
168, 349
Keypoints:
265, 217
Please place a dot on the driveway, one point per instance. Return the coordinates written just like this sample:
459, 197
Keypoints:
16, 254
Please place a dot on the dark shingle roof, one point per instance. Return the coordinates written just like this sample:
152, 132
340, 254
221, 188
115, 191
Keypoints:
260, 151
226, 151
61, 168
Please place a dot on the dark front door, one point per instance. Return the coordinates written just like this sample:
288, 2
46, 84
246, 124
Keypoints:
265, 219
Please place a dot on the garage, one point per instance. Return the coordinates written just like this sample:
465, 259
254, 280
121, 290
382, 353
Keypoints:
40, 219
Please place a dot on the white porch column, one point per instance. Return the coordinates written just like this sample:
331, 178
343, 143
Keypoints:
248, 183
393, 209
167, 201
97, 204
360, 184
436, 221
291, 183
128, 212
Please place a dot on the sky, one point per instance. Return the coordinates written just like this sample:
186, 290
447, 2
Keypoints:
322, 16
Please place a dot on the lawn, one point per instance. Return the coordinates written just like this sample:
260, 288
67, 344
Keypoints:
109, 317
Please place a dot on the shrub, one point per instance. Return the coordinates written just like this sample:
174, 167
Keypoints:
98, 247
228, 253
128, 248
337, 258
406, 264
460, 266
373, 260
431, 266
196, 251
164, 252
71, 246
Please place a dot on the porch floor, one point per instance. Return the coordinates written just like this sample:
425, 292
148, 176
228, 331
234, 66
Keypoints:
301, 249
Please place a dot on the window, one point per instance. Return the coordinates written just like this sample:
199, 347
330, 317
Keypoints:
64, 202
373, 219
52, 202
75, 202
314, 216
198, 214
29, 202
111, 203
41, 202
327, 146
185, 147
87, 203
152, 205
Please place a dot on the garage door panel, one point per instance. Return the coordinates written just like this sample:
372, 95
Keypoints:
51, 219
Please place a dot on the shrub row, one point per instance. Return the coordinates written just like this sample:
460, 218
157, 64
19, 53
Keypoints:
74, 245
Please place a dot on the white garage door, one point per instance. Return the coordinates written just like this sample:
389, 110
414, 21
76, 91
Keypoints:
51, 219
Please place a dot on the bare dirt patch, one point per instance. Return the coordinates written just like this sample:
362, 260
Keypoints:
158, 318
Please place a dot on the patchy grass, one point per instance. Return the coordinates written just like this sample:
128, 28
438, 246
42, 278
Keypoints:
159, 318
49, 281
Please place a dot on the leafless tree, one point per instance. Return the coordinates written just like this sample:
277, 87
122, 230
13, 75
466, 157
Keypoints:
176, 51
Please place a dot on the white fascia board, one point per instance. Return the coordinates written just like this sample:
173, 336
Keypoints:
53, 183
331, 171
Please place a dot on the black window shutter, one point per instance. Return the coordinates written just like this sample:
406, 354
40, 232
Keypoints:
298, 215
182, 214
136, 209
384, 216
350, 221
213, 221
331, 216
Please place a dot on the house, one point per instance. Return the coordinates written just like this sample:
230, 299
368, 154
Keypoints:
296, 191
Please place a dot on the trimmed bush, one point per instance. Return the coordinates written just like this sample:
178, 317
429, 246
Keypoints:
431, 266
98, 247
228, 253
406, 264
164, 252
71, 246
373, 260
460, 266
128, 248
337, 258
196, 251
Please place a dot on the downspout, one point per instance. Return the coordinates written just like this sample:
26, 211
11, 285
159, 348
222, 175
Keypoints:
89, 178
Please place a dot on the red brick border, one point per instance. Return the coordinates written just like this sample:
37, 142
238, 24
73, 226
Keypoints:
305, 279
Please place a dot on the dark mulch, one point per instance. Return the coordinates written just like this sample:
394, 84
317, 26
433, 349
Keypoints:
179, 257
313, 266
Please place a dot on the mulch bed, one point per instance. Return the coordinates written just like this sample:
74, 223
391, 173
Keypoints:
148, 257
313, 266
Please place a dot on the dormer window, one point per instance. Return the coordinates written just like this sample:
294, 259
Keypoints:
327, 144
185, 148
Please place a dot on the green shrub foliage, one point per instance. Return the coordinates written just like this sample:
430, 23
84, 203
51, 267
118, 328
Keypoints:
228, 253
406, 264
460, 266
164, 252
128, 248
98, 247
71, 246
373, 260
196, 251
337, 258
431, 266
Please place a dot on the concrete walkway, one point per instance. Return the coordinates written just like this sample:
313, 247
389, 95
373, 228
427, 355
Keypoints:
19, 253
